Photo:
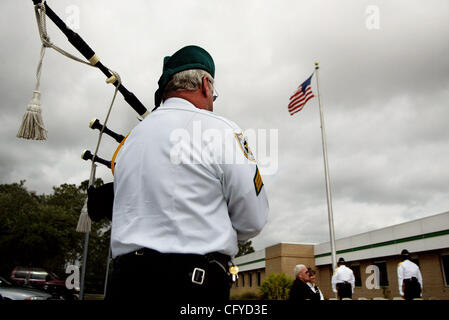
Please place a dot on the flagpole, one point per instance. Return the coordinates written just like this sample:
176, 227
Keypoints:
86, 237
326, 172
107, 273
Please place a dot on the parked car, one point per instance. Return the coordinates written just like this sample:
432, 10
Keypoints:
10, 292
43, 279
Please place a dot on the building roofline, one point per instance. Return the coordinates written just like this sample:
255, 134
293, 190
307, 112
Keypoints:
387, 243
444, 231
391, 226
302, 243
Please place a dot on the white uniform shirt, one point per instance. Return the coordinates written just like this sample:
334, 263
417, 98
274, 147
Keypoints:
176, 191
406, 270
343, 274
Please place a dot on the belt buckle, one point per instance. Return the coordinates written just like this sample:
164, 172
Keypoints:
198, 276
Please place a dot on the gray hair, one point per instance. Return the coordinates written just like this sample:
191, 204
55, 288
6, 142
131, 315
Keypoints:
187, 80
298, 268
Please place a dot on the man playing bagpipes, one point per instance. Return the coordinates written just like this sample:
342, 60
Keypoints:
177, 220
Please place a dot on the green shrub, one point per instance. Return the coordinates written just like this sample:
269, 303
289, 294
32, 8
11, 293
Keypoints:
250, 296
234, 297
276, 287
246, 296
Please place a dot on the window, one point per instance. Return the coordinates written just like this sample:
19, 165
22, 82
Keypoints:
356, 269
39, 275
21, 274
445, 265
250, 276
258, 278
383, 275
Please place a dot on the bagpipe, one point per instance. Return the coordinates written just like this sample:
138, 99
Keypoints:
99, 202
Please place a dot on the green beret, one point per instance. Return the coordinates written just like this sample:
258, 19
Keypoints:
190, 57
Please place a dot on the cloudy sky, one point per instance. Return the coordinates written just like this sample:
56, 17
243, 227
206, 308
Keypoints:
384, 81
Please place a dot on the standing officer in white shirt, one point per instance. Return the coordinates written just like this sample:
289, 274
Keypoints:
409, 277
343, 280
187, 189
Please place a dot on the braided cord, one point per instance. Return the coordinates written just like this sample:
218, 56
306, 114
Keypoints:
46, 43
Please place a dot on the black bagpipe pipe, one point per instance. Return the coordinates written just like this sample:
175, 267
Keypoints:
87, 155
89, 54
95, 124
100, 199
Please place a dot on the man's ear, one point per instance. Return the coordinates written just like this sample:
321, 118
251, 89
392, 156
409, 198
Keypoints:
205, 86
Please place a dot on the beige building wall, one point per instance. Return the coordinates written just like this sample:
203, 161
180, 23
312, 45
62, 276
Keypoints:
283, 257
426, 238
243, 286
433, 279
279, 258
431, 270
323, 276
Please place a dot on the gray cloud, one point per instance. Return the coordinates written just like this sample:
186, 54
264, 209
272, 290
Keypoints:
384, 92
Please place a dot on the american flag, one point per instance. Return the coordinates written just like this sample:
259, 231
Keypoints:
300, 97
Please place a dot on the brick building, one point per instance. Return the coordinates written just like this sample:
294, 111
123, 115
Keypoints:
372, 252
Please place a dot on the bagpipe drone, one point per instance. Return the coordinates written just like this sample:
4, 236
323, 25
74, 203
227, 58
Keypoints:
32, 126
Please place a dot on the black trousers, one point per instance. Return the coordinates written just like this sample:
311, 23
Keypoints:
344, 290
412, 289
157, 277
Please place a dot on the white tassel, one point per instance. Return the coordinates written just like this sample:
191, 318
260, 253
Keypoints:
32, 124
84, 222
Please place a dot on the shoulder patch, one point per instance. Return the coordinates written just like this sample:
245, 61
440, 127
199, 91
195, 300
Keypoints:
243, 143
258, 183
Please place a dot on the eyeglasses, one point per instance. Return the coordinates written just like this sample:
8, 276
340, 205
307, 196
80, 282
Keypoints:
215, 94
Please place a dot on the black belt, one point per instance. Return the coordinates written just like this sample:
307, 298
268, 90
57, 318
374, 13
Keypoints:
213, 257
344, 283
199, 262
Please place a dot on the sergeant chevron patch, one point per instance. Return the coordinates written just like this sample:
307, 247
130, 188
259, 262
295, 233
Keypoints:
258, 183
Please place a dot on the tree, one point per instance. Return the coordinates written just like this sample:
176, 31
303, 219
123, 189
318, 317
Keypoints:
276, 287
245, 248
39, 231
15, 225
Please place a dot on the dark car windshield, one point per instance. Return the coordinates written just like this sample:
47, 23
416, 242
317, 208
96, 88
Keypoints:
4, 282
